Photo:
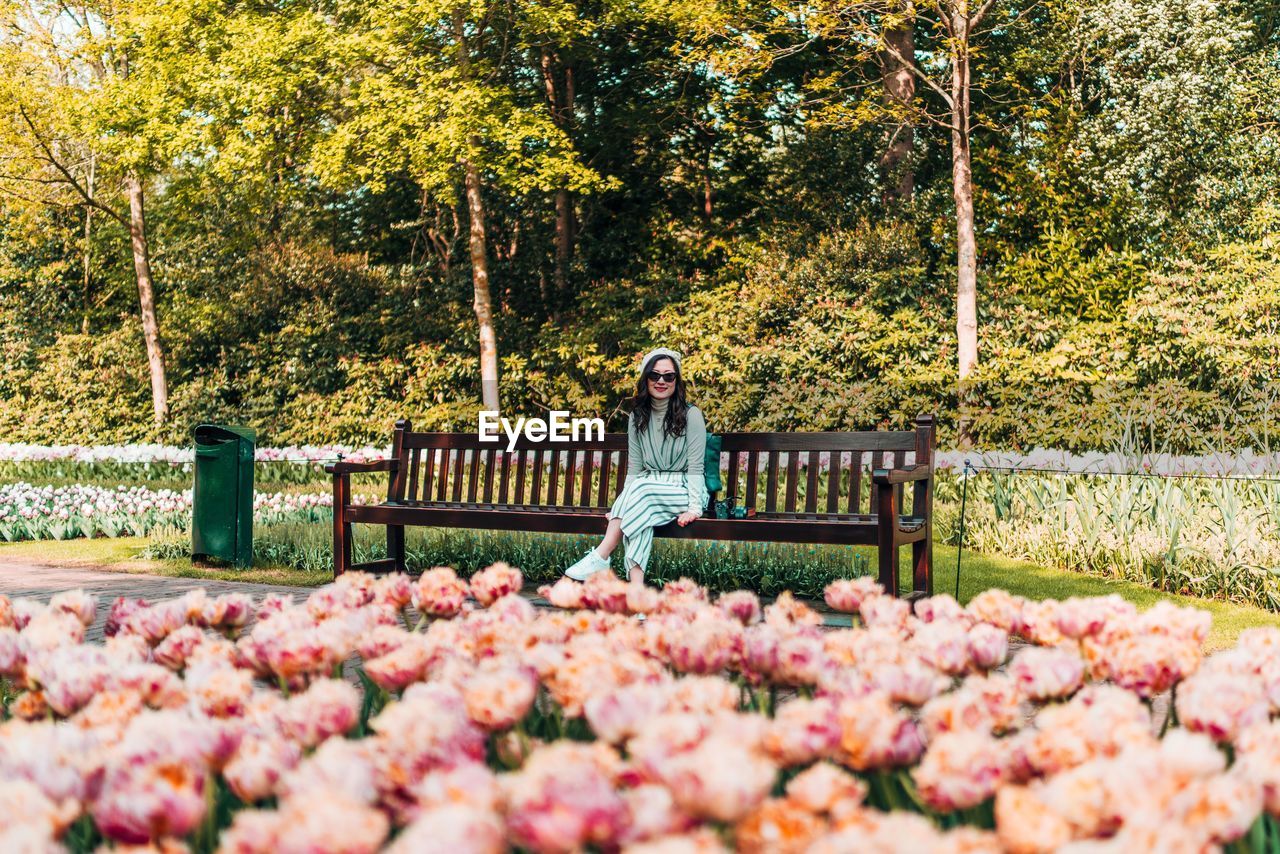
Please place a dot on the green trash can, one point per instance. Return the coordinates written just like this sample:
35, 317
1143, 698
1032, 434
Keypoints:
222, 498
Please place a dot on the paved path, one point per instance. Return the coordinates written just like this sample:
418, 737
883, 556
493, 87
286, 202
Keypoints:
22, 579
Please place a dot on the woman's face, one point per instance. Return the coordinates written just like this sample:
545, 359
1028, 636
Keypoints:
665, 384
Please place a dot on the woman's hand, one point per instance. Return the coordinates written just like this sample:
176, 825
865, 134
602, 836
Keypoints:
686, 517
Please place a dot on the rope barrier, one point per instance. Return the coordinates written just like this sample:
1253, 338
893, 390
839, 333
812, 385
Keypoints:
1105, 473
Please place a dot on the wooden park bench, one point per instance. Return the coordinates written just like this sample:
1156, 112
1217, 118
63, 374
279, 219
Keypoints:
454, 480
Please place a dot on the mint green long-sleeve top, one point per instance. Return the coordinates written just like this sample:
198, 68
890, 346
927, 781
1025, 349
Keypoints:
652, 451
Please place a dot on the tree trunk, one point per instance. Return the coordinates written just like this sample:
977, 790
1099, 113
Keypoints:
897, 172
147, 299
966, 242
560, 105
564, 240
482, 301
88, 249
480, 284
707, 209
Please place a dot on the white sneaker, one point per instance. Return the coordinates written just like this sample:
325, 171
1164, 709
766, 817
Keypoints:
590, 564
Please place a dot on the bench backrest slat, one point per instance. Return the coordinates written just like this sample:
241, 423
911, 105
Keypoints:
442, 480
535, 497
588, 469
603, 494
504, 478
396, 482
855, 482
898, 461
620, 474
430, 472
731, 485
413, 474
793, 480
457, 473
490, 460
753, 471
771, 484
835, 467
553, 476
811, 485
570, 464
473, 468
522, 464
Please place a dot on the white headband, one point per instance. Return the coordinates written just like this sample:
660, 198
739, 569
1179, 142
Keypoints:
661, 351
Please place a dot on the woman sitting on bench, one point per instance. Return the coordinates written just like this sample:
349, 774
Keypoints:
666, 443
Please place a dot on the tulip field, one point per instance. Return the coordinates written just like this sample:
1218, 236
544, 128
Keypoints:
30, 512
631, 719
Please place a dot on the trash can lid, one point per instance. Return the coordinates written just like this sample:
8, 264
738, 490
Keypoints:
207, 433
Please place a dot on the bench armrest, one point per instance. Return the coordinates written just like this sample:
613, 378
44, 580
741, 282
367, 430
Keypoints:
890, 476
357, 468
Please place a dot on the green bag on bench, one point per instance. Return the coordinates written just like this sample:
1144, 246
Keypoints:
711, 464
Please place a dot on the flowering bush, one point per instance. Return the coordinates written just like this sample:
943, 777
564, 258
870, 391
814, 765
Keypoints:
59, 513
227, 725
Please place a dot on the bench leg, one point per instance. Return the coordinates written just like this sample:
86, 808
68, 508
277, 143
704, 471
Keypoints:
922, 565
395, 546
341, 527
886, 544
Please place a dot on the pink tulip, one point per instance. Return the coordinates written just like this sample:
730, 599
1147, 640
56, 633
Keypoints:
499, 697
77, 603
562, 800
1046, 673
439, 592
452, 829
150, 801
256, 767
960, 770
988, 646
172, 652
495, 581
329, 707
121, 611
848, 594
997, 607
394, 590
803, 731
741, 605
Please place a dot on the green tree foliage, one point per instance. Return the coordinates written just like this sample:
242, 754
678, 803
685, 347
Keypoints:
347, 201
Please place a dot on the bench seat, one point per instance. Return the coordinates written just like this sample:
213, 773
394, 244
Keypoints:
843, 530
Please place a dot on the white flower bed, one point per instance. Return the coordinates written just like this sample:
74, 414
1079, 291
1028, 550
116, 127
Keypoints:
58, 513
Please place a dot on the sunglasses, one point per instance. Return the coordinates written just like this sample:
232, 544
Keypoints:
662, 376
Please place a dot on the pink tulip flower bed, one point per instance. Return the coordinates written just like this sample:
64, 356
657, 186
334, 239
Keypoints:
438, 714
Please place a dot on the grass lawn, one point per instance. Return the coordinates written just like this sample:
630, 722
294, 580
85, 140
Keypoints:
977, 573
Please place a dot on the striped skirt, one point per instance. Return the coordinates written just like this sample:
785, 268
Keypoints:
653, 498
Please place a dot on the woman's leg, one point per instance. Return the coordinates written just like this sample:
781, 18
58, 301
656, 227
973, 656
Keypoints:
639, 546
654, 503
612, 536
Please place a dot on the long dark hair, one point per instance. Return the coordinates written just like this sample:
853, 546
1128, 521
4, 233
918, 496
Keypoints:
677, 406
